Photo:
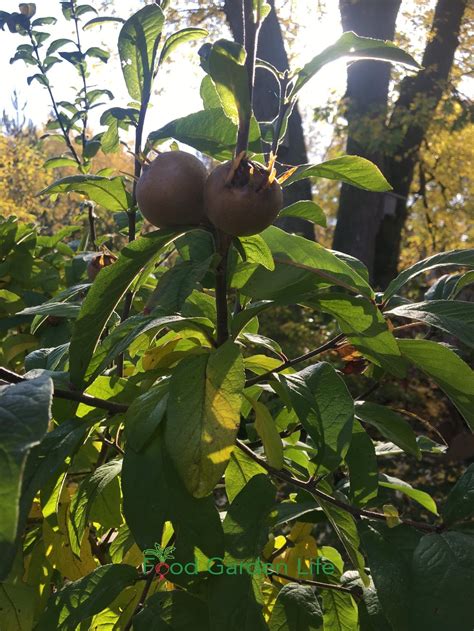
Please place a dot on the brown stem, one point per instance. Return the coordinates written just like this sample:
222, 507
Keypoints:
132, 212
223, 242
53, 100
141, 602
251, 31
70, 395
297, 360
282, 111
92, 231
349, 508
83, 77
319, 584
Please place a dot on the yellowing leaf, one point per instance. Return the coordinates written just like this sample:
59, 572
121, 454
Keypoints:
266, 429
153, 357
392, 516
203, 415
58, 548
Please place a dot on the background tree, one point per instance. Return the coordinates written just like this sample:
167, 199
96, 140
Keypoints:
379, 245
271, 48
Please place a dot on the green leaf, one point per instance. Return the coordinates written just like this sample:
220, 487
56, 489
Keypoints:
296, 609
340, 611
443, 582
262, 9
58, 309
353, 170
101, 20
101, 54
85, 8
355, 47
424, 499
326, 410
362, 463
345, 528
226, 66
56, 163
460, 502
448, 370
268, 433
17, 606
209, 131
301, 266
82, 599
236, 602
176, 610
453, 257
153, 493
107, 192
240, 470
306, 210
81, 504
41, 78
257, 251
57, 44
246, 524
208, 93
144, 415
106, 292
176, 284
128, 331
175, 40
138, 44
204, 414
266, 342
390, 424
425, 579
365, 327
390, 552
24, 417
452, 316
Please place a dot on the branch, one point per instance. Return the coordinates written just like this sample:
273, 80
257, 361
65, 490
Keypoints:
141, 602
349, 508
319, 584
297, 360
132, 212
92, 231
83, 77
70, 395
53, 100
115, 408
251, 31
223, 242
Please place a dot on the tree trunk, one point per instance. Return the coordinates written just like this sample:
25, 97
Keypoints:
422, 93
360, 212
271, 48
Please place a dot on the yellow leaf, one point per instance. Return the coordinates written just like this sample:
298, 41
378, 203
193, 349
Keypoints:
266, 429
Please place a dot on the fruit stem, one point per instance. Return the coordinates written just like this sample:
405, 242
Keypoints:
223, 242
92, 231
251, 32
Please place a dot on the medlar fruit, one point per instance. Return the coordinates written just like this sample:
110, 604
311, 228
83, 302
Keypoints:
170, 190
242, 197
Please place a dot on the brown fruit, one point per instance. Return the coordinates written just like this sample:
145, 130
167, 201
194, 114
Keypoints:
241, 199
170, 190
97, 263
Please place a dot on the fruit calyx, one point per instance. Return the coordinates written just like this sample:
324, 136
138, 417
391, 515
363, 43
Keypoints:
245, 172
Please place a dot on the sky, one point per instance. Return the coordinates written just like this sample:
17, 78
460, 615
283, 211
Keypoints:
177, 87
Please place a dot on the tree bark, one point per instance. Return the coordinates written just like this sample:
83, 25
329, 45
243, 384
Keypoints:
292, 151
360, 212
421, 93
